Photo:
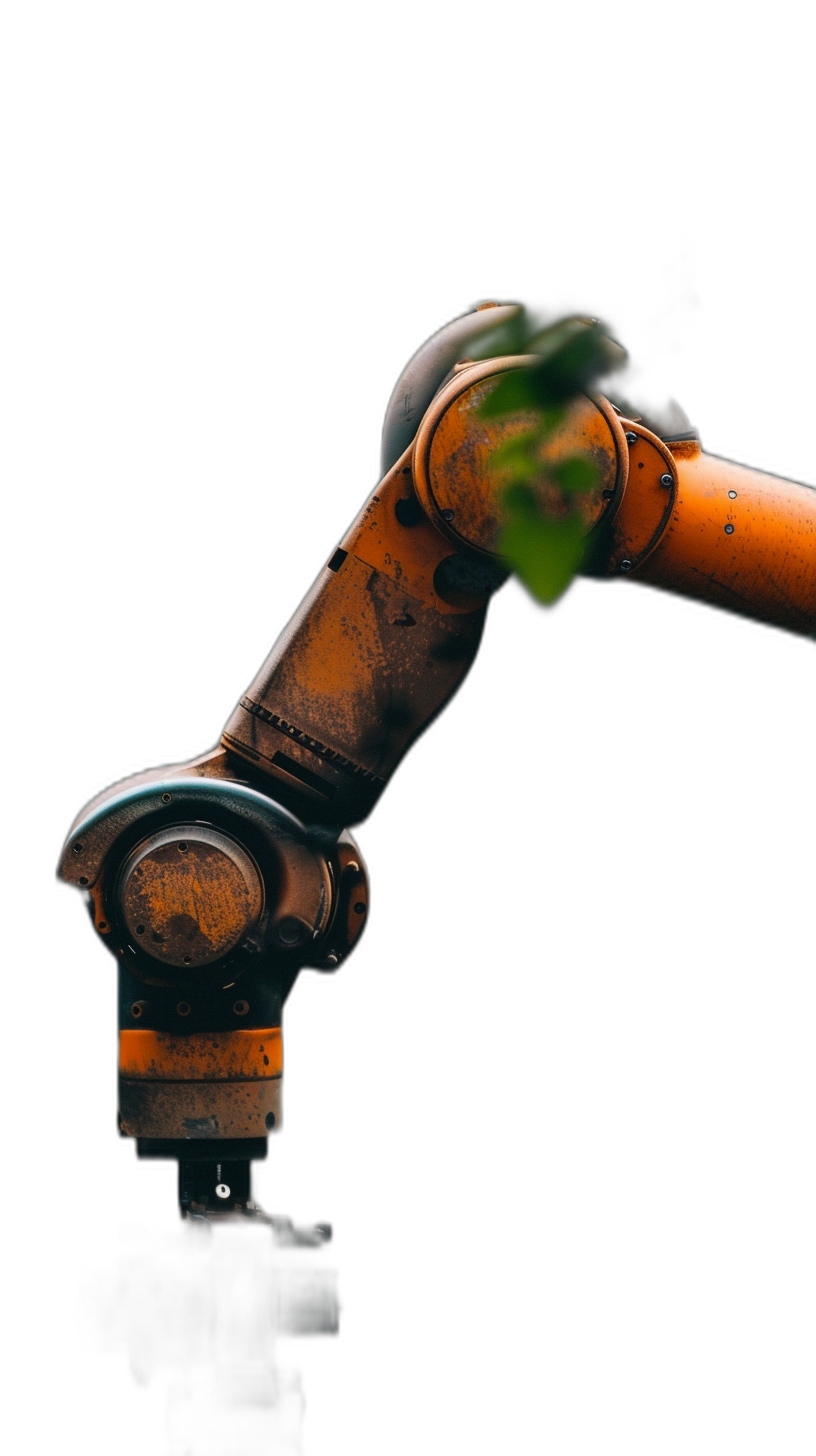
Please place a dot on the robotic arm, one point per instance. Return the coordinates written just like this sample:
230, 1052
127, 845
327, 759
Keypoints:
215, 882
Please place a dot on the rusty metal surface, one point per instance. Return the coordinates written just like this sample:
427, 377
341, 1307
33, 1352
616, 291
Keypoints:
213, 1056
644, 507
361, 669
158, 1109
189, 894
462, 492
739, 539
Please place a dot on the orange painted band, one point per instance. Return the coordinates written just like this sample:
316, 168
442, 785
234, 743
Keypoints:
201, 1056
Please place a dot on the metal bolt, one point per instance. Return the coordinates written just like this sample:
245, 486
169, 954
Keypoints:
332, 959
667, 480
631, 437
447, 515
729, 530
626, 565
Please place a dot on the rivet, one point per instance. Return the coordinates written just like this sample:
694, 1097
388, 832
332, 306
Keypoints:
222, 1190
241, 1008
447, 515
78, 847
732, 495
626, 565
332, 959
729, 530
166, 798
667, 480
83, 879
137, 1009
353, 865
359, 908
183, 1008
631, 437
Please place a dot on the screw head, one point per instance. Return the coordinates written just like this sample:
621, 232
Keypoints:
222, 1190
240, 1008
626, 565
631, 437
729, 530
667, 481
732, 495
447, 515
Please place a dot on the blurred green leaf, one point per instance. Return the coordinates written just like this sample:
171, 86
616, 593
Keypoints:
576, 473
521, 500
544, 552
516, 390
573, 355
517, 458
515, 335
544, 544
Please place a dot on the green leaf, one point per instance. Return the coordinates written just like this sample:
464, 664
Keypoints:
572, 355
576, 473
517, 459
545, 553
515, 335
520, 500
514, 391
577, 354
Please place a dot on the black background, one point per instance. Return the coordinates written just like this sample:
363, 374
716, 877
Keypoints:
552, 1104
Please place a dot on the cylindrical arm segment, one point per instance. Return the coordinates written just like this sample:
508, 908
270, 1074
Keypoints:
381, 642
739, 539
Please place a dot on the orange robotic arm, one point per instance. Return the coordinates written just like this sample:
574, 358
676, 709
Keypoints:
214, 882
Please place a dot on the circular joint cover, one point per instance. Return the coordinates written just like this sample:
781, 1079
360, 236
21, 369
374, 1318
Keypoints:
462, 491
214, 872
189, 894
647, 504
